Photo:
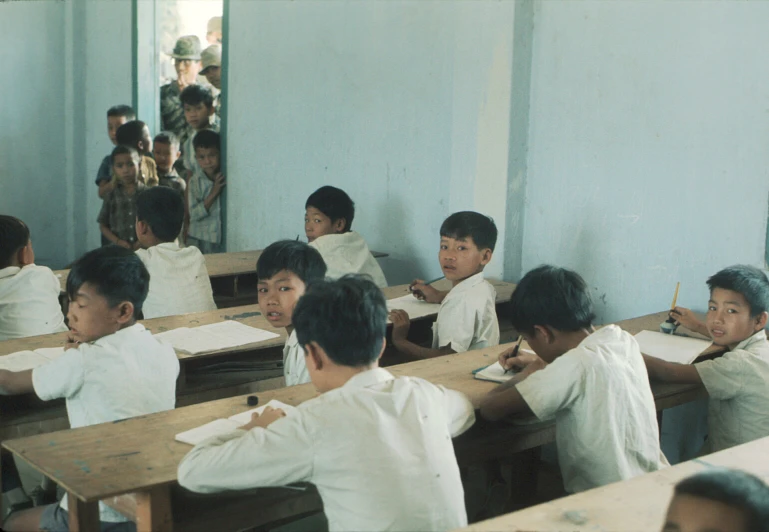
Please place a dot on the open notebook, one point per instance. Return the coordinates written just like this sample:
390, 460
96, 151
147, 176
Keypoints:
670, 347
214, 337
496, 373
414, 307
223, 426
24, 360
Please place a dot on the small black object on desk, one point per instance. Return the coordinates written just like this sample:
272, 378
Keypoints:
252, 400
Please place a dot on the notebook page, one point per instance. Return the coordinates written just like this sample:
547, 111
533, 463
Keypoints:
679, 349
22, 361
231, 333
214, 428
191, 340
414, 307
245, 417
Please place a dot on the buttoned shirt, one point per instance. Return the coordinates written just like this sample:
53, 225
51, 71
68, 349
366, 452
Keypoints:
118, 212
205, 224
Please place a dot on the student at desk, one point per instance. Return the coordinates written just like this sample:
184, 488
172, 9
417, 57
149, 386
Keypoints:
112, 369
377, 447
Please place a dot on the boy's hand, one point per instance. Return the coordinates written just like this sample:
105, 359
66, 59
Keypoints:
124, 244
268, 417
687, 318
520, 361
71, 343
425, 292
219, 184
401, 324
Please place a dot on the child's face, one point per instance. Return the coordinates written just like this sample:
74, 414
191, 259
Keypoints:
90, 316
278, 296
197, 116
688, 513
208, 159
113, 123
728, 318
460, 258
317, 224
126, 168
165, 156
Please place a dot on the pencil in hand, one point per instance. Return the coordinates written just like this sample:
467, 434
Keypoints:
515, 351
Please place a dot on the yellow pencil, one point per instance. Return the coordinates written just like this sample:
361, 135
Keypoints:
675, 296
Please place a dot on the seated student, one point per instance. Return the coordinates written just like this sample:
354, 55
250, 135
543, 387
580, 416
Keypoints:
719, 500
467, 318
377, 447
117, 218
136, 135
205, 188
327, 220
198, 103
179, 282
738, 382
113, 368
116, 117
593, 383
29, 294
165, 149
285, 269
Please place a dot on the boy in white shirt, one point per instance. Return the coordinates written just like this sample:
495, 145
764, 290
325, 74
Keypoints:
467, 318
113, 368
285, 269
179, 282
377, 447
29, 294
738, 382
593, 383
328, 216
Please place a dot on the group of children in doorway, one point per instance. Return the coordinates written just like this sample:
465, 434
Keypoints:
379, 447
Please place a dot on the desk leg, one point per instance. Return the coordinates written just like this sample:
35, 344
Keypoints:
153, 510
83, 516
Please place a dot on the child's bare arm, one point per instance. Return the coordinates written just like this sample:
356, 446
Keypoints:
15, 382
219, 184
661, 370
112, 237
105, 187
401, 325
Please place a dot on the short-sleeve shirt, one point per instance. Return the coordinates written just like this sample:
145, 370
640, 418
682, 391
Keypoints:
606, 421
205, 225
172, 180
294, 365
188, 149
118, 212
29, 302
467, 317
738, 386
346, 253
171, 109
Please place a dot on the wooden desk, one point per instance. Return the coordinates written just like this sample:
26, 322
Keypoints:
636, 505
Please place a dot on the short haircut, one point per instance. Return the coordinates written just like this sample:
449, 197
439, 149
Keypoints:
479, 227
207, 138
553, 297
733, 488
118, 274
122, 149
334, 203
126, 111
130, 133
746, 280
346, 317
162, 208
14, 235
299, 258
197, 94
167, 137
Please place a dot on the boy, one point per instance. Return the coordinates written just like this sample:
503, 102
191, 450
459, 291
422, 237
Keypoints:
467, 318
165, 150
117, 219
198, 103
205, 188
377, 447
29, 294
136, 135
328, 216
179, 282
593, 383
719, 500
116, 117
284, 270
738, 382
112, 369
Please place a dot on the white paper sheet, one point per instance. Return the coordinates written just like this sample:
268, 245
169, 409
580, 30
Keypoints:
214, 337
245, 417
414, 307
679, 349
22, 361
237, 333
494, 373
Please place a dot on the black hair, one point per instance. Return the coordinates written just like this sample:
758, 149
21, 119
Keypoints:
334, 203
115, 272
479, 227
746, 280
197, 94
299, 258
553, 297
167, 137
162, 208
125, 111
130, 133
122, 149
733, 488
346, 317
14, 235
207, 138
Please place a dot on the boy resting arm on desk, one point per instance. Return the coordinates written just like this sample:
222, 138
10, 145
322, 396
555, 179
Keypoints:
377, 447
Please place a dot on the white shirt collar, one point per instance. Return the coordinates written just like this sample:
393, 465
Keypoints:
292, 339
760, 336
468, 283
10, 271
136, 328
369, 378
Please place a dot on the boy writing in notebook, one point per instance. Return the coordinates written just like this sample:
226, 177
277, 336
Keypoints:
112, 367
377, 447
593, 383
136, 135
116, 117
328, 216
204, 195
29, 294
165, 150
467, 318
117, 218
738, 382
284, 270
179, 282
